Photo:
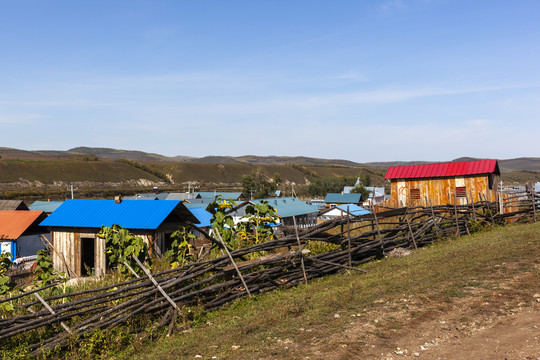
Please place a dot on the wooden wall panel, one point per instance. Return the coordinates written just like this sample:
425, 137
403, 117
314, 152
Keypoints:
440, 191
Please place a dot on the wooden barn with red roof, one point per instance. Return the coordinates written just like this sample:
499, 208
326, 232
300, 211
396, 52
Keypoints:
442, 182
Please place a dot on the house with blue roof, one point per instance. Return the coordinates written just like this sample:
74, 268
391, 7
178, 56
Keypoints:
286, 207
335, 199
75, 224
46, 206
351, 210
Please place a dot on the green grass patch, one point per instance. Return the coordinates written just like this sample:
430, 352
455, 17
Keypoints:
439, 273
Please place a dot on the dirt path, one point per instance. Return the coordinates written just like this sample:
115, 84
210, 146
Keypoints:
500, 323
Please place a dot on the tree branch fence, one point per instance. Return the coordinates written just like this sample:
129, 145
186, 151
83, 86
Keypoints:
279, 263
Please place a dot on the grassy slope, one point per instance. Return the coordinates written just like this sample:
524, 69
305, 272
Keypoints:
232, 173
69, 170
263, 325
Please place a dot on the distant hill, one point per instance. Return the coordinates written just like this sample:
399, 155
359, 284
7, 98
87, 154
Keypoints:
108, 153
518, 164
272, 160
22, 168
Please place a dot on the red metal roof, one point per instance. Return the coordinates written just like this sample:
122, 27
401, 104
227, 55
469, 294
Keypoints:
14, 223
449, 169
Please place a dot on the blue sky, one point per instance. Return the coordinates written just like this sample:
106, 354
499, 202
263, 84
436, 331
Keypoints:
359, 80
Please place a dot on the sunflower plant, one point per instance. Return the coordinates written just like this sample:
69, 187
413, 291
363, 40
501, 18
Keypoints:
181, 251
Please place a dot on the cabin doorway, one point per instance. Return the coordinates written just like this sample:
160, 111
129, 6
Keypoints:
88, 247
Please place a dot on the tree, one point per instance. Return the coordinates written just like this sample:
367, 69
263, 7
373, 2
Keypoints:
332, 184
360, 189
258, 186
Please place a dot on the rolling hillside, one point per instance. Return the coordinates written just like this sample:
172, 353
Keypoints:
105, 168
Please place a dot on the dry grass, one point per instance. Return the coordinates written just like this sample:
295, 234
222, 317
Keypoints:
284, 324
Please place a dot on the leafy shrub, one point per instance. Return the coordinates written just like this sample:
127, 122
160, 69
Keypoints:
121, 245
181, 251
45, 271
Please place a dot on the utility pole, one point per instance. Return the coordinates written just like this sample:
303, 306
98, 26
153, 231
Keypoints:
72, 190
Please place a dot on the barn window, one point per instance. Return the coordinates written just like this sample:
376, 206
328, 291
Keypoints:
461, 191
415, 194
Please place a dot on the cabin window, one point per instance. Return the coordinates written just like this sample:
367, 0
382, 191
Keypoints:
415, 194
461, 191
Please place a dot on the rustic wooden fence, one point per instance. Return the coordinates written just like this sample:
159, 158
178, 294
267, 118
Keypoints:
284, 262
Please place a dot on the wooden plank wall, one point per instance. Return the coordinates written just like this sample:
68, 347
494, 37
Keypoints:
440, 191
64, 243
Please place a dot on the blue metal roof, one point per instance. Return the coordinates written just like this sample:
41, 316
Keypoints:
289, 206
202, 215
224, 195
353, 209
130, 214
338, 198
198, 204
45, 206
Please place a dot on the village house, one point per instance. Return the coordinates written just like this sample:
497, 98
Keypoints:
351, 210
286, 208
20, 233
440, 183
376, 196
335, 199
12, 205
75, 224
46, 206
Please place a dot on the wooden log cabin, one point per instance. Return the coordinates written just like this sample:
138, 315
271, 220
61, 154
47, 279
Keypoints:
75, 224
442, 182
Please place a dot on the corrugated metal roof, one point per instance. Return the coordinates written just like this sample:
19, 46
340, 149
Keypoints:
202, 215
46, 206
13, 205
14, 223
289, 206
224, 195
130, 214
378, 191
180, 196
202, 205
338, 198
449, 169
353, 209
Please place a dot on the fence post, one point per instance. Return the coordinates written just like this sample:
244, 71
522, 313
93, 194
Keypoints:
349, 235
410, 229
432, 213
472, 202
299, 248
455, 212
51, 311
156, 284
378, 230
533, 198
232, 260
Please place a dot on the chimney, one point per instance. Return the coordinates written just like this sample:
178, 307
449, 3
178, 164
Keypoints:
118, 199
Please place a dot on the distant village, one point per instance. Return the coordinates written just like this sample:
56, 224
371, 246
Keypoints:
69, 228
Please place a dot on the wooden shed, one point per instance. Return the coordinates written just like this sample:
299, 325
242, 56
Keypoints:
75, 224
442, 182
20, 233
